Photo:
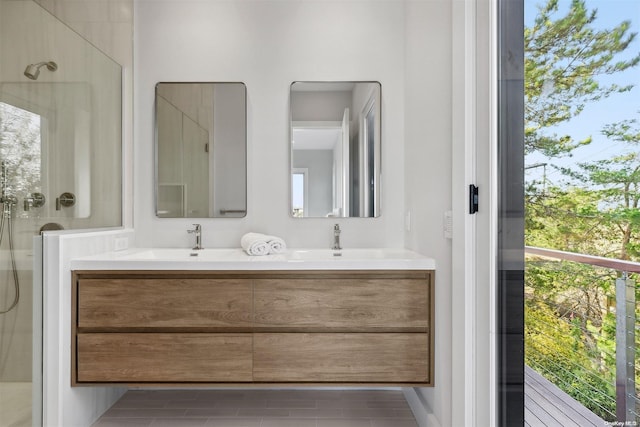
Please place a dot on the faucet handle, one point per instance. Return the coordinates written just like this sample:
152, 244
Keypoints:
336, 238
197, 230
35, 200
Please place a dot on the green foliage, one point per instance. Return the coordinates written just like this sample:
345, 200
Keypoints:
615, 184
564, 56
571, 302
567, 219
627, 131
570, 333
556, 349
20, 149
549, 343
566, 337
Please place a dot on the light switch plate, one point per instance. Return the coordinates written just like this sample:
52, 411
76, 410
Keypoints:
448, 225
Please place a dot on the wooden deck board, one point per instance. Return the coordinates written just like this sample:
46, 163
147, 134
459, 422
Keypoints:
548, 406
530, 419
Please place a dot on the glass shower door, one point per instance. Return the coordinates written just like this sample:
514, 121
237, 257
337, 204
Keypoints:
21, 132
60, 168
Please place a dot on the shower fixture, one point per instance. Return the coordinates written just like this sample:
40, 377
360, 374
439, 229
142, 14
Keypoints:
9, 202
66, 199
34, 200
33, 70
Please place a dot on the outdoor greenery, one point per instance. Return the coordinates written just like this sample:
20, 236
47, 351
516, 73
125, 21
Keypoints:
565, 56
570, 307
20, 150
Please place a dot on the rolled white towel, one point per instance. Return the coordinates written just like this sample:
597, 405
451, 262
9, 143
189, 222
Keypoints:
255, 244
276, 244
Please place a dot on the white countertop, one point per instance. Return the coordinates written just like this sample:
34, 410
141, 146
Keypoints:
237, 259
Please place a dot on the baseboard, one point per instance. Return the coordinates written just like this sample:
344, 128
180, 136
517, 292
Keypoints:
421, 411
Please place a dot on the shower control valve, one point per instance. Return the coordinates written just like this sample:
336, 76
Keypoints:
66, 199
34, 200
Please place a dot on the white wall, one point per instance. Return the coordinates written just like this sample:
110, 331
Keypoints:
405, 45
428, 177
268, 45
319, 165
319, 106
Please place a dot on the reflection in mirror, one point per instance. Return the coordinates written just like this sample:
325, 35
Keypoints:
335, 149
201, 166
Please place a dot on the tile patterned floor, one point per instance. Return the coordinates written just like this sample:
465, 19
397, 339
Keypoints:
259, 408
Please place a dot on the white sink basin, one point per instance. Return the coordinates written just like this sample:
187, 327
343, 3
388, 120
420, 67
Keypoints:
178, 254
351, 254
237, 259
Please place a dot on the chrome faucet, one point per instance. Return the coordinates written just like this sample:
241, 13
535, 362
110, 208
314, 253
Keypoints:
198, 232
336, 238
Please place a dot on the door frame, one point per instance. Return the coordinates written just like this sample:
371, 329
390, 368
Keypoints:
488, 266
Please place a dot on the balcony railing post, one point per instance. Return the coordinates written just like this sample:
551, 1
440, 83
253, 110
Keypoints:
625, 348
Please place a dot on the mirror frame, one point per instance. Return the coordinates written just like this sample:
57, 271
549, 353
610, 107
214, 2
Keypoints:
155, 150
378, 149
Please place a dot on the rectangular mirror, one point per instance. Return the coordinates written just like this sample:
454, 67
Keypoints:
335, 149
201, 150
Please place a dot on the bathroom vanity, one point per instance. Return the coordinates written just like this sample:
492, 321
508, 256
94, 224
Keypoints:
229, 319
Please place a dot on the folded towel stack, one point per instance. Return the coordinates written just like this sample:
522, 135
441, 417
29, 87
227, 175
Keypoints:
255, 244
262, 244
276, 245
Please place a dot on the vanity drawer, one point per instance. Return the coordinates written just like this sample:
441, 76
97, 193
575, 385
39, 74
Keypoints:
342, 357
173, 303
164, 358
343, 304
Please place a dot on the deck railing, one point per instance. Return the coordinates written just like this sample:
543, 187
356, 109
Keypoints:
626, 403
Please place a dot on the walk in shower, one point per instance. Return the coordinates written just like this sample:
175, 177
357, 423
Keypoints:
60, 169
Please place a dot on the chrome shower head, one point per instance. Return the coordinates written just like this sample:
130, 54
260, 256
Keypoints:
33, 70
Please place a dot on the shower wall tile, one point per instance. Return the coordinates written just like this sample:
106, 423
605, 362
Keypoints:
16, 326
82, 11
113, 38
47, 4
106, 24
121, 11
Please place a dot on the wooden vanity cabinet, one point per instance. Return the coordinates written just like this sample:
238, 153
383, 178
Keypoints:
341, 357
164, 357
164, 303
366, 304
252, 327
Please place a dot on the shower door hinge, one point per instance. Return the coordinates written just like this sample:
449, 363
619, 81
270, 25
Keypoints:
473, 199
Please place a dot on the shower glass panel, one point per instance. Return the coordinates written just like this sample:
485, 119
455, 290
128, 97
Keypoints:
61, 164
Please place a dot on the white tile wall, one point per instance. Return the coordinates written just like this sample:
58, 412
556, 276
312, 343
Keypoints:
108, 25
63, 405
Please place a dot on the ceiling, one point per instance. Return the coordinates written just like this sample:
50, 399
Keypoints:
316, 138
